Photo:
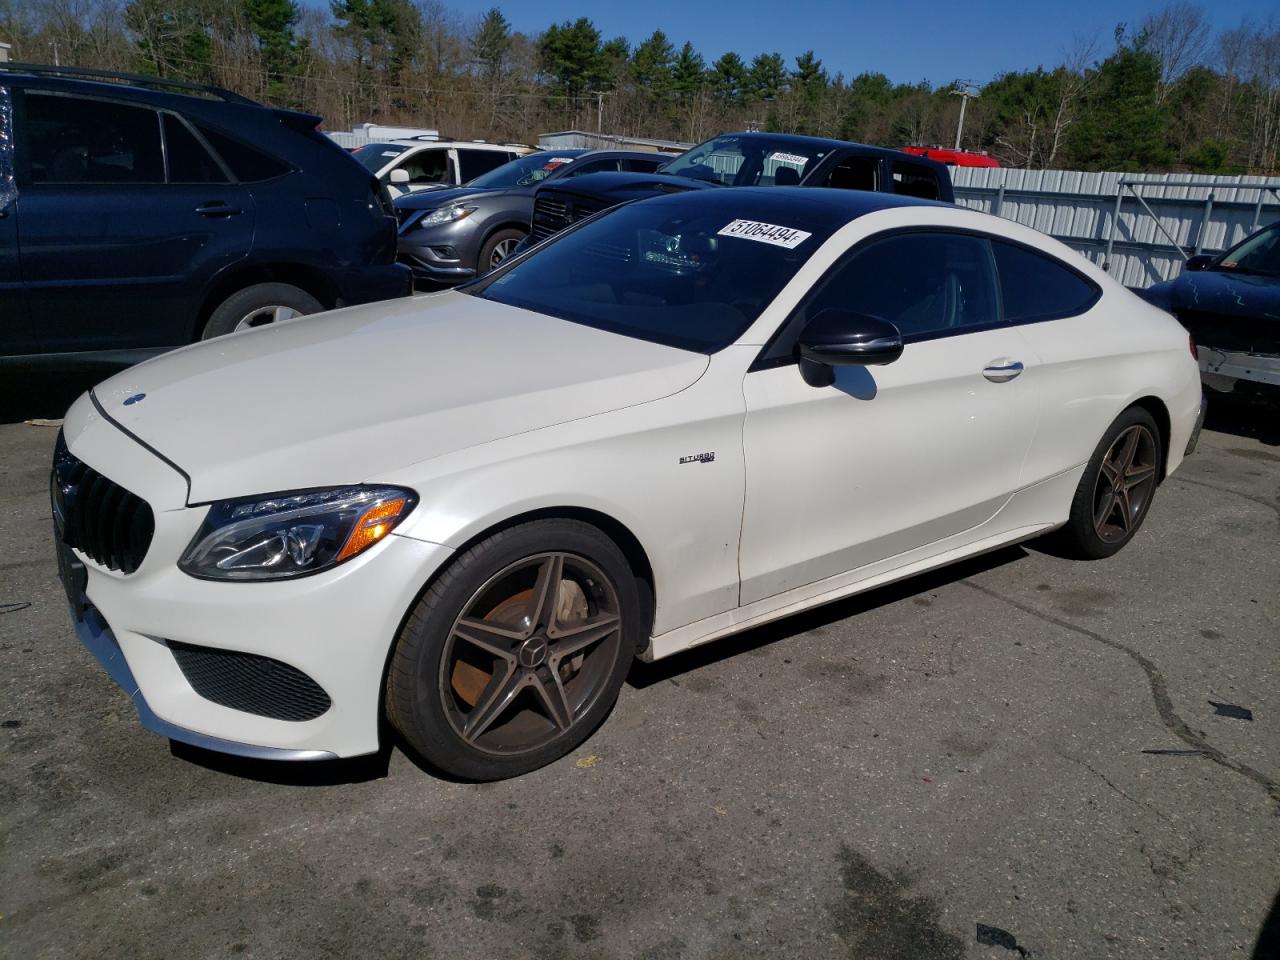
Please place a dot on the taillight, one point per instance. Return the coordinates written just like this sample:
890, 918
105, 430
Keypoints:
1195, 353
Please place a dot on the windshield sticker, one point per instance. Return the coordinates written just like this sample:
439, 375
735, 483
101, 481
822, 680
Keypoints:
391, 153
559, 160
795, 158
764, 233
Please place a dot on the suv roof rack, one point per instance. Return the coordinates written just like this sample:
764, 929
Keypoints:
138, 79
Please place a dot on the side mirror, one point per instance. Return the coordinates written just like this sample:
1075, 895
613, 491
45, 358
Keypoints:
399, 175
1200, 261
842, 338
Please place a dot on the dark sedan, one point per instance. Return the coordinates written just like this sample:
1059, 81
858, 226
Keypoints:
453, 235
1231, 305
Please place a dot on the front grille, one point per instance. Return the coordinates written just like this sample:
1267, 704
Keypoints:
1237, 334
244, 681
97, 516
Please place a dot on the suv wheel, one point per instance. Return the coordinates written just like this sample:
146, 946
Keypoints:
258, 306
517, 651
496, 249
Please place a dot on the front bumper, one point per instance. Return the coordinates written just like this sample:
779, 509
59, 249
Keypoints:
336, 627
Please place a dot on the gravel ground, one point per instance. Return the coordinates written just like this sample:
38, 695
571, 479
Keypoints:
1019, 756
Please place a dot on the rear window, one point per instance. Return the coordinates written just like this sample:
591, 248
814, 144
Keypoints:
248, 164
911, 180
1035, 287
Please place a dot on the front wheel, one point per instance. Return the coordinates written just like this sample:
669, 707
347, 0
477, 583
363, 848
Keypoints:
1117, 487
497, 249
517, 651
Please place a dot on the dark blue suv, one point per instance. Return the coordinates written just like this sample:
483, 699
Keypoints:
138, 215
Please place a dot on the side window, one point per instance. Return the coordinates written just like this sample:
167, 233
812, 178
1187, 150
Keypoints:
427, 166
78, 140
594, 166
855, 173
635, 165
927, 284
248, 164
1036, 287
474, 163
913, 180
188, 160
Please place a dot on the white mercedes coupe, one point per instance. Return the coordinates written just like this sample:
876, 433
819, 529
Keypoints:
468, 512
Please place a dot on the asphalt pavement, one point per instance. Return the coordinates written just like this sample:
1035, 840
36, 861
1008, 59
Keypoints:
1018, 756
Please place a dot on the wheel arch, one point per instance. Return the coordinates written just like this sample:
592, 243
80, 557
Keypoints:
1164, 424
309, 279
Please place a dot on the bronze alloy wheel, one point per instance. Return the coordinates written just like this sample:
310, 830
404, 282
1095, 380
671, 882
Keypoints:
1126, 482
531, 653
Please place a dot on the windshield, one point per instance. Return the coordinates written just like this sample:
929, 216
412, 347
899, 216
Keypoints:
682, 270
737, 161
1259, 254
525, 171
375, 156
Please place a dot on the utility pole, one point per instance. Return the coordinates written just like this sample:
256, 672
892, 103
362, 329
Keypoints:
599, 94
54, 45
966, 91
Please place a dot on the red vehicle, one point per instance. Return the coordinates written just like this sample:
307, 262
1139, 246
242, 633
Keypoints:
954, 158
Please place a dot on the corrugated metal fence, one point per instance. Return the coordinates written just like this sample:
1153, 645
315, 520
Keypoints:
1138, 226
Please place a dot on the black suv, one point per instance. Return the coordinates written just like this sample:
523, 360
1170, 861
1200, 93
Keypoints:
140, 215
746, 160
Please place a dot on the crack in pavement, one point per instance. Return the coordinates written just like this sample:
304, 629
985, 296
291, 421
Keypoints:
1239, 493
1159, 692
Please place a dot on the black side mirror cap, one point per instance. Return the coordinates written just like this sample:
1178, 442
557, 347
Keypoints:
837, 338
1201, 261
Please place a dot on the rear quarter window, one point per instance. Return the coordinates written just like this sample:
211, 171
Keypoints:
912, 180
248, 164
1037, 287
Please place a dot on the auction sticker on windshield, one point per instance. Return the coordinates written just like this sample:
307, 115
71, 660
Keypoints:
764, 233
794, 158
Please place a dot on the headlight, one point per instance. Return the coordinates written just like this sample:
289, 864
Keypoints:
293, 534
447, 214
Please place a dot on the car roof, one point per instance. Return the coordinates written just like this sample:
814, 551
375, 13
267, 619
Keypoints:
831, 144
469, 144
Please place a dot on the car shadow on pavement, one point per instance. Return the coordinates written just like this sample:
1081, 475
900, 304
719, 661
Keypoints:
1251, 419
44, 395
647, 674
1268, 945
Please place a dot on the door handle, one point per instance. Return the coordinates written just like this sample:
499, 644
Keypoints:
216, 208
1002, 370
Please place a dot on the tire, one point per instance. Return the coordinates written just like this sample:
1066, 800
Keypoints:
258, 306
488, 659
503, 242
1102, 522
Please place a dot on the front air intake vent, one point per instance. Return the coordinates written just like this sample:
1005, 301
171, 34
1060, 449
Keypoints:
245, 681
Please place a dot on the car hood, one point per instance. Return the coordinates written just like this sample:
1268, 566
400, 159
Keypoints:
430, 199
347, 396
1219, 292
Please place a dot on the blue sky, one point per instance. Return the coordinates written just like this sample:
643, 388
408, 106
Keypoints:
908, 40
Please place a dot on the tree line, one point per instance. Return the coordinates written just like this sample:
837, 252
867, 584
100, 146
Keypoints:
1166, 93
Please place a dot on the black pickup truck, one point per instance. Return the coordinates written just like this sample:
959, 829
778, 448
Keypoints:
745, 160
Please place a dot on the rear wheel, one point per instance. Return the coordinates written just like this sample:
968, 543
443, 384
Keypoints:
496, 249
258, 306
517, 652
1117, 487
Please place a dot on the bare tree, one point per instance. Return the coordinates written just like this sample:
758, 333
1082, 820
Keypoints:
1178, 34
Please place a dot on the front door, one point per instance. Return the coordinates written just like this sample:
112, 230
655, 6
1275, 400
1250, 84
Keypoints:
889, 458
114, 248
